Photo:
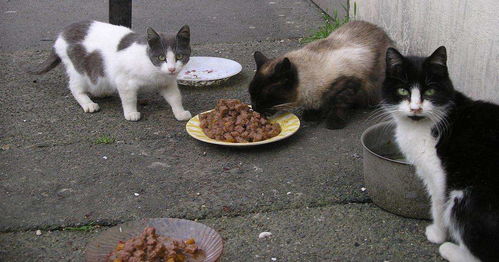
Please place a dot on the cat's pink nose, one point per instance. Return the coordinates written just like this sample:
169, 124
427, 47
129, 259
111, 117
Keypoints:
171, 69
416, 110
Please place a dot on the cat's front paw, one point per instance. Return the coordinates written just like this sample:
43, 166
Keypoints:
90, 107
435, 234
132, 116
183, 116
449, 251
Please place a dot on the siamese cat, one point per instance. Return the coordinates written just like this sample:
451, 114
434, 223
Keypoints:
326, 77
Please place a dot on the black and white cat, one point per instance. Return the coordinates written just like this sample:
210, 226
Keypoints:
453, 142
102, 59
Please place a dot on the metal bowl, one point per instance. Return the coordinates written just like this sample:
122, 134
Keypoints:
391, 182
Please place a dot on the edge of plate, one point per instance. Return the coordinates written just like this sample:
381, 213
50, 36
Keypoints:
214, 79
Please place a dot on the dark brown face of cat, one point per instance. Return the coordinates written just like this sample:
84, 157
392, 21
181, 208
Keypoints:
274, 84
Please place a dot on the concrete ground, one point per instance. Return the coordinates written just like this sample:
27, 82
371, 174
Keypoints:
306, 190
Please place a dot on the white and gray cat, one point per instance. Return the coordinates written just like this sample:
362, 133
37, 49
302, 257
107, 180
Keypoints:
102, 59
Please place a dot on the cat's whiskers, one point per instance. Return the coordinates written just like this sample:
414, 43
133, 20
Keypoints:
285, 106
383, 113
438, 117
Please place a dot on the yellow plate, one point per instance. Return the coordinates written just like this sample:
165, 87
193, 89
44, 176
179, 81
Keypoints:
289, 125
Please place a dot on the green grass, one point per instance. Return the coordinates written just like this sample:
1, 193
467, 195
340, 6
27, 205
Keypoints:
104, 140
84, 228
331, 23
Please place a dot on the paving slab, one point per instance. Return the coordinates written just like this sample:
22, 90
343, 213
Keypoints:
54, 175
352, 232
306, 189
35, 24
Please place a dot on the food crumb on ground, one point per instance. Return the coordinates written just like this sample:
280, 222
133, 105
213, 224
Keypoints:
38, 232
136, 194
264, 235
362, 189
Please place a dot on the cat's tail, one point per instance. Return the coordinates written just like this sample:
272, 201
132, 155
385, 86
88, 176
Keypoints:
52, 61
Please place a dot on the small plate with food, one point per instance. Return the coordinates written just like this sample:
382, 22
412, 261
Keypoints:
233, 123
205, 71
156, 239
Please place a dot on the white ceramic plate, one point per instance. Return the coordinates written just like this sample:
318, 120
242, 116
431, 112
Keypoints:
205, 71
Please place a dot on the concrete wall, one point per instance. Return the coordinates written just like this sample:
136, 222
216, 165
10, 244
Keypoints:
468, 28
329, 6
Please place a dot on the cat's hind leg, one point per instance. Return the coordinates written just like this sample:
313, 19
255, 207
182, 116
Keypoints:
455, 253
339, 101
79, 89
172, 95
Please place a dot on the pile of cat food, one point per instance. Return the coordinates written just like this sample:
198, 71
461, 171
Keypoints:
233, 121
153, 248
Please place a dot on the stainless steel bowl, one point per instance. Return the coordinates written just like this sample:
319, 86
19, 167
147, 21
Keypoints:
391, 182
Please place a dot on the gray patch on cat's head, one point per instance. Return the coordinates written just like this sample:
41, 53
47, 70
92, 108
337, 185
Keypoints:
156, 48
76, 32
183, 43
159, 43
129, 39
90, 64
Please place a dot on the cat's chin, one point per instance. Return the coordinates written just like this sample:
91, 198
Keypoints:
416, 118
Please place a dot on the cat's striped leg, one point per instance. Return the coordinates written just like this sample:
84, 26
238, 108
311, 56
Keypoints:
174, 98
78, 88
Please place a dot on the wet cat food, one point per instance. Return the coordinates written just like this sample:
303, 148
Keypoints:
234, 121
153, 248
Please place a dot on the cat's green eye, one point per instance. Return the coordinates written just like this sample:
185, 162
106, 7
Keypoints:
179, 56
403, 92
429, 92
161, 58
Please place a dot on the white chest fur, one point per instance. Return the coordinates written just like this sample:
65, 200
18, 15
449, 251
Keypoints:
419, 147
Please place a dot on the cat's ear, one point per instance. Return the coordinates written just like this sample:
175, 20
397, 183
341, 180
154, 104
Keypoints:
283, 67
394, 61
184, 33
183, 37
436, 64
260, 59
439, 57
153, 39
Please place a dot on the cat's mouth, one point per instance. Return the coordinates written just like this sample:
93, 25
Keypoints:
416, 118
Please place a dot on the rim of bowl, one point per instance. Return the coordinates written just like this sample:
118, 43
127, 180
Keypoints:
368, 130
